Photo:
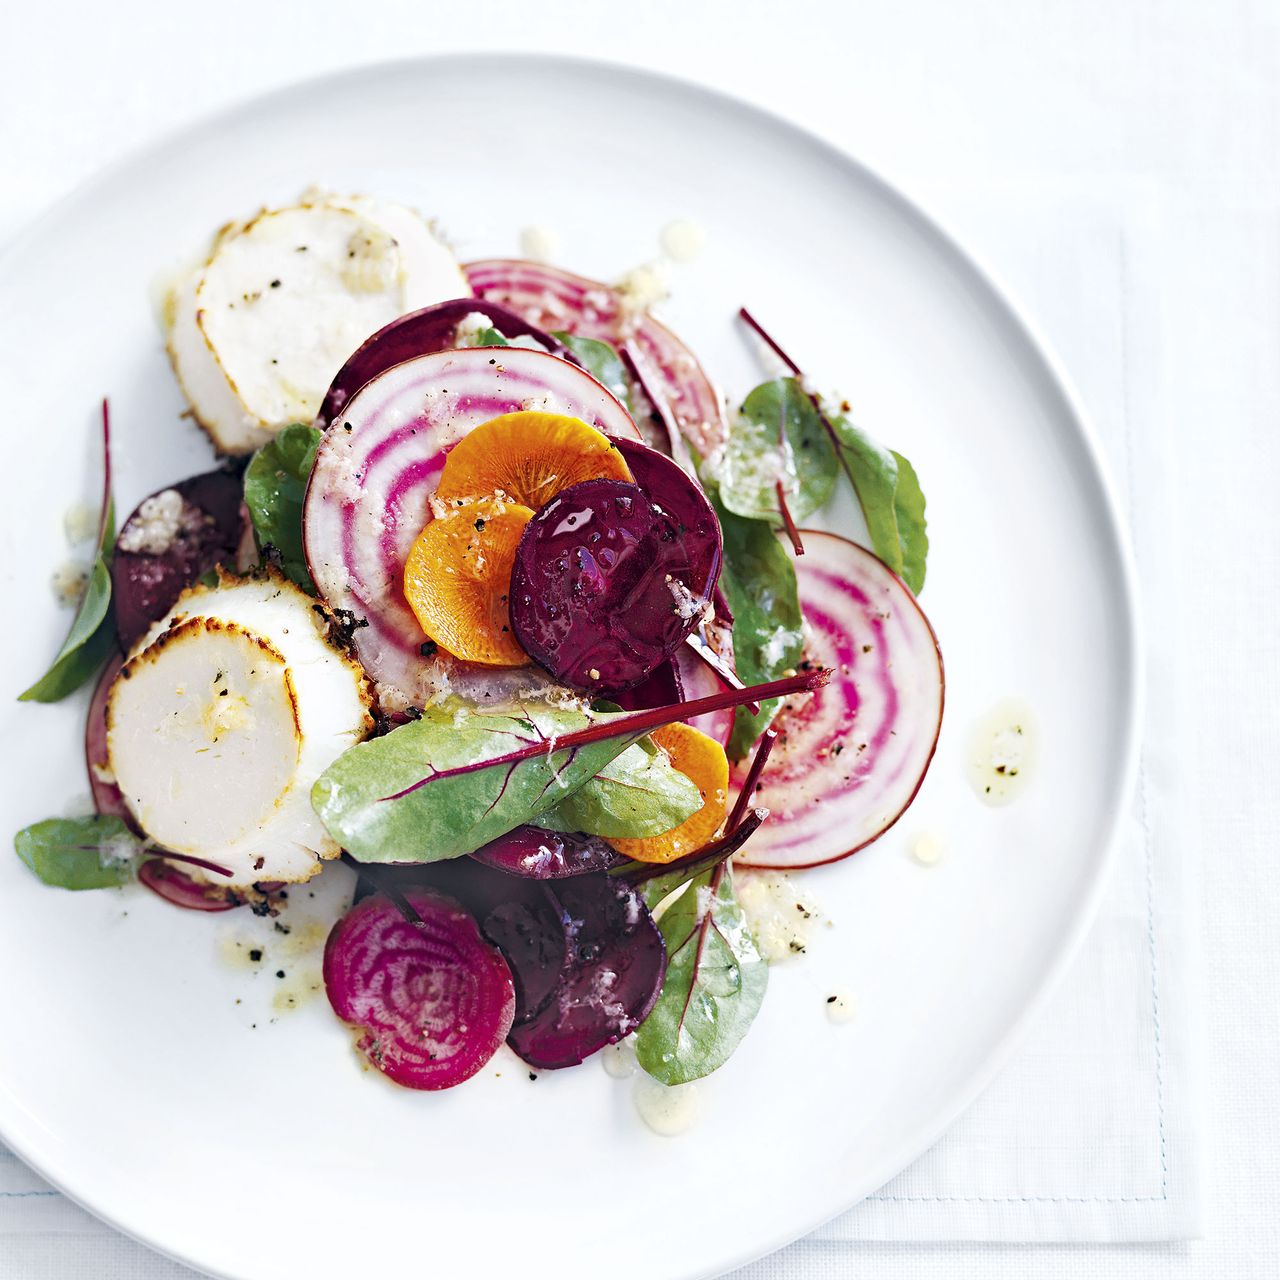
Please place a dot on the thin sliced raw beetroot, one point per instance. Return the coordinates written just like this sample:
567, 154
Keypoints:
107, 798
615, 971
517, 914
182, 890
850, 759
607, 584
432, 998
533, 933
175, 542
535, 854
418, 334
680, 496
375, 472
556, 299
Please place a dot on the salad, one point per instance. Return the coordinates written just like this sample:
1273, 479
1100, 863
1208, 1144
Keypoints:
491, 596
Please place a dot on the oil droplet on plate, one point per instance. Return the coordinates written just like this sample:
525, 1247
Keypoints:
669, 1110
1002, 752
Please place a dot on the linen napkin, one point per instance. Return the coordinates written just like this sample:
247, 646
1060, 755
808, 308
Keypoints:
1092, 1132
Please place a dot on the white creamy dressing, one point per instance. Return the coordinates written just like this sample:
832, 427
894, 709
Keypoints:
1003, 748
669, 1110
841, 1005
539, 243
779, 916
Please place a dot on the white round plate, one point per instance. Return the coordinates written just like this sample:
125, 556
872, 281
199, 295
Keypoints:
150, 1076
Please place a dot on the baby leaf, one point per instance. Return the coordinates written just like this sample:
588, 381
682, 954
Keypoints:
637, 794
443, 785
92, 632
714, 985
777, 436
908, 503
275, 485
886, 484
601, 361
489, 337
80, 853
758, 579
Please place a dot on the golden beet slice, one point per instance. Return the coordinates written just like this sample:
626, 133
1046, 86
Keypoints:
702, 760
528, 458
457, 577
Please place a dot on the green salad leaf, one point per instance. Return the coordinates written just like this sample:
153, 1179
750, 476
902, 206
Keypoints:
784, 434
92, 632
777, 436
889, 494
489, 337
601, 361
715, 983
275, 485
758, 579
913, 534
443, 785
97, 852
637, 794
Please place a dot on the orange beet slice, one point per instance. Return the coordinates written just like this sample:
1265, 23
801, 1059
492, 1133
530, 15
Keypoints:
703, 761
457, 577
528, 458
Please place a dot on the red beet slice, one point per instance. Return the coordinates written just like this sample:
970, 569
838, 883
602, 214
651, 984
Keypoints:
615, 971
431, 329
535, 854
532, 932
146, 582
432, 998
850, 759
557, 299
517, 914
182, 891
607, 585
669, 485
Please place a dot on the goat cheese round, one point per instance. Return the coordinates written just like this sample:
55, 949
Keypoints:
225, 714
259, 331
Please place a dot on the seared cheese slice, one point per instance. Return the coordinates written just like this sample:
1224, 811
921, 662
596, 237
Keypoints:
225, 714
259, 331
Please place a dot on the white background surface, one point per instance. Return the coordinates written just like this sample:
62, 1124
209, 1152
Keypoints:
1177, 101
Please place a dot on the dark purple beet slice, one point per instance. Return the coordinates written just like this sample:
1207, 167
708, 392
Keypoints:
547, 855
669, 485
607, 585
433, 999
617, 961
180, 889
419, 333
144, 583
533, 934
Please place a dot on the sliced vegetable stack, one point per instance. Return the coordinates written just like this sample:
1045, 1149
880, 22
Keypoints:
524, 625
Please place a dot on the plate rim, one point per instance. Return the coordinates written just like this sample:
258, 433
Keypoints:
1132, 670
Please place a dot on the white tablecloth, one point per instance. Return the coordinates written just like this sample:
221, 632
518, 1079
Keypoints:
1119, 170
